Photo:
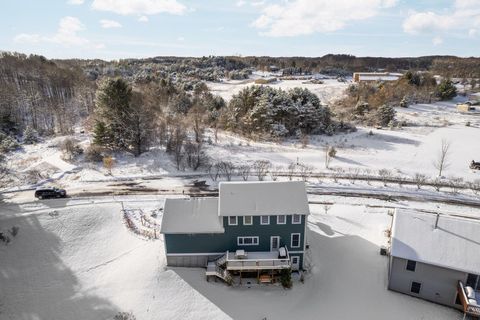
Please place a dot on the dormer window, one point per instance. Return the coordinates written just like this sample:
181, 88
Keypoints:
232, 221
296, 219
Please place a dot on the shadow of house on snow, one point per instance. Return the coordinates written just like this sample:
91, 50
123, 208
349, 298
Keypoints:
34, 281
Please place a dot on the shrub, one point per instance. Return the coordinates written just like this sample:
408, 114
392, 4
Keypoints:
286, 278
332, 152
94, 153
14, 231
446, 90
108, 163
124, 316
70, 148
30, 135
7, 143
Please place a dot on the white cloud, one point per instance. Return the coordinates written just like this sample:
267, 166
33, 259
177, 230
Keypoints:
143, 19
463, 17
241, 3
437, 41
107, 24
301, 17
180, 39
140, 7
66, 35
75, 2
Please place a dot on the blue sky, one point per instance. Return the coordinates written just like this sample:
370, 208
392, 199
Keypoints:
112, 29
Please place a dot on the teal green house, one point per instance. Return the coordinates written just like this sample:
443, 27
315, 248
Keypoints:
251, 227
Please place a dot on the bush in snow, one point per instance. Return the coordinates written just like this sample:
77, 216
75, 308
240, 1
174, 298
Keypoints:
30, 135
94, 153
70, 149
446, 90
385, 115
14, 231
124, 316
286, 278
260, 168
7, 143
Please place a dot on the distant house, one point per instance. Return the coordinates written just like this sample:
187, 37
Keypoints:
436, 258
375, 76
253, 227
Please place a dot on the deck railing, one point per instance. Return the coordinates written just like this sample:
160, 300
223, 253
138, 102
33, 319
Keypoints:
258, 263
468, 308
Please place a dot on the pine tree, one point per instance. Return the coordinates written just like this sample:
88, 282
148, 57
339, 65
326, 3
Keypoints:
101, 135
446, 90
30, 135
385, 115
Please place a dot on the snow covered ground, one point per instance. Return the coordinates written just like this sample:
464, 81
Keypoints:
330, 90
76, 257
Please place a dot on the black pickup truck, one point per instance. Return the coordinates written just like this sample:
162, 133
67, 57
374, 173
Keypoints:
475, 165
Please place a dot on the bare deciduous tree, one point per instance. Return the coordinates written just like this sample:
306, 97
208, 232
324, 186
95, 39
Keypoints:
276, 170
244, 171
441, 163
475, 186
305, 171
420, 180
437, 184
227, 168
385, 175
261, 167
291, 169
455, 183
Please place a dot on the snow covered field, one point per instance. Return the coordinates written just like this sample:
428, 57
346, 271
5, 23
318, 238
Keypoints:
75, 257
330, 90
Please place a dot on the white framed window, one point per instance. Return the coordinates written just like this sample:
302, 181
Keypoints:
281, 219
247, 220
247, 241
265, 220
296, 219
232, 221
295, 240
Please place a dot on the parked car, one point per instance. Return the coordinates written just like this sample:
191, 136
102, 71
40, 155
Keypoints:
50, 192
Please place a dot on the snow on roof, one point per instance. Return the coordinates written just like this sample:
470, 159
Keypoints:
195, 215
262, 198
454, 244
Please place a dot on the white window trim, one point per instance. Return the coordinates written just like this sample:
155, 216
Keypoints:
284, 219
248, 224
293, 219
261, 220
299, 240
236, 221
255, 239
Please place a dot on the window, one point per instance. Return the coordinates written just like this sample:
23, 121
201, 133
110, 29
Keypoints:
247, 241
296, 219
247, 220
281, 219
265, 220
473, 281
295, 240
411, 265
232, 221
415, 288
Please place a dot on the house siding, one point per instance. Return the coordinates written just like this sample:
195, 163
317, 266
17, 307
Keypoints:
227, 241
439, 285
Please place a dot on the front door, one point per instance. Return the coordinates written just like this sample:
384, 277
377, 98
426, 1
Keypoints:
274, 243
295, 262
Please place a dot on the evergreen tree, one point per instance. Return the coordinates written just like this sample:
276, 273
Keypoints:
30, 135
385, 115
446, 90
124, 121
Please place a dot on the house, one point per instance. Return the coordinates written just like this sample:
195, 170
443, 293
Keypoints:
465, 107
252, 227
375, 76
436, 258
